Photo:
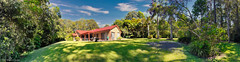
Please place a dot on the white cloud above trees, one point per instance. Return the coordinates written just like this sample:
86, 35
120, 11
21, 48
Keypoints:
147, 5
85, 12
98, 10
126, 7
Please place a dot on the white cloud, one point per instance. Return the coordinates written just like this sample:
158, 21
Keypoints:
54, 4
67, 10
147, 5
85, 12
98, 10
85, 7
126, 7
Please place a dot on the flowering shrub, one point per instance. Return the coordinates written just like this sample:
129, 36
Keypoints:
210, 36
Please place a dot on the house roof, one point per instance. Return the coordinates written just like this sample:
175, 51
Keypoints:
74, 34
81, 31
96, 30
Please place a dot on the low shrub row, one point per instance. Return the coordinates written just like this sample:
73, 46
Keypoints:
203, 49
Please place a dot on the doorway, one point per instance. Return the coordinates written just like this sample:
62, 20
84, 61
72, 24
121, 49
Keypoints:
113, 36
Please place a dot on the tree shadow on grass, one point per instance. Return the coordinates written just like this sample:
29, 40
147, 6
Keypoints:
165, 45
92, 52
179, 52
232, 50
121, 51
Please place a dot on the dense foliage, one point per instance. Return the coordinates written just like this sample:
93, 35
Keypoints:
26, 25
209, 23
68, 27
203, 49
140, 26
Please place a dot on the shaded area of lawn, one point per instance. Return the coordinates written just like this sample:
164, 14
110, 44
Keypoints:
231, 52
134, 50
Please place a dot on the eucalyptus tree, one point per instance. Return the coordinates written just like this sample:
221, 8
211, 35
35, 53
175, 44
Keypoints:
148, 23
235, 11
156, 10
200, 8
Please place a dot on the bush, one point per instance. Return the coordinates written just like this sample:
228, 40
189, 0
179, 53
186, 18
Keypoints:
119, 38
224, 46
150, 36
203, 49
185, 40
69, 37
77, 38
159, 36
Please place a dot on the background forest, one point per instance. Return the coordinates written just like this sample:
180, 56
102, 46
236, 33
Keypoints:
32, 24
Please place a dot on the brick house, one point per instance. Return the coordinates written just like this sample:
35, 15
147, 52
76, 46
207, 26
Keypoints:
106, 33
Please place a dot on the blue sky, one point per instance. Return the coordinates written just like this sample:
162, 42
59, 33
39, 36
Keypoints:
102, 11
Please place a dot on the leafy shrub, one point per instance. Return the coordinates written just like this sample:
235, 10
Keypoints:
213, 34
77, 38
159, 36
185, 40
119, 38
37, 39
150, 36
224, 46
69, 37
203, 49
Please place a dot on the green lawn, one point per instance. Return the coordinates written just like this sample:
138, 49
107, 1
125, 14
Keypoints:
130, 50
231, 52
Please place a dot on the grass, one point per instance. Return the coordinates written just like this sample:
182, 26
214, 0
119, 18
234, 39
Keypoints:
130, 50
231, 52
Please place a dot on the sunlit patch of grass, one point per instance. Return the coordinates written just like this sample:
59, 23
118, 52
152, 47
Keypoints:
231, 52
176, 54
128, 50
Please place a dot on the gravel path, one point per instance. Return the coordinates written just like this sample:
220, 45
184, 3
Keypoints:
165, 45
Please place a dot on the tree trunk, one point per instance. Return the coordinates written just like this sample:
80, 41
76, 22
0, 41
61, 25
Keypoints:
148, 28
201, 20
214, 5
228, 23
171, 35
221, 22
236, 23
157, 28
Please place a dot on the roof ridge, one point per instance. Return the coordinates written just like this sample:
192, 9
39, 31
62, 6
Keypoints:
96, 30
